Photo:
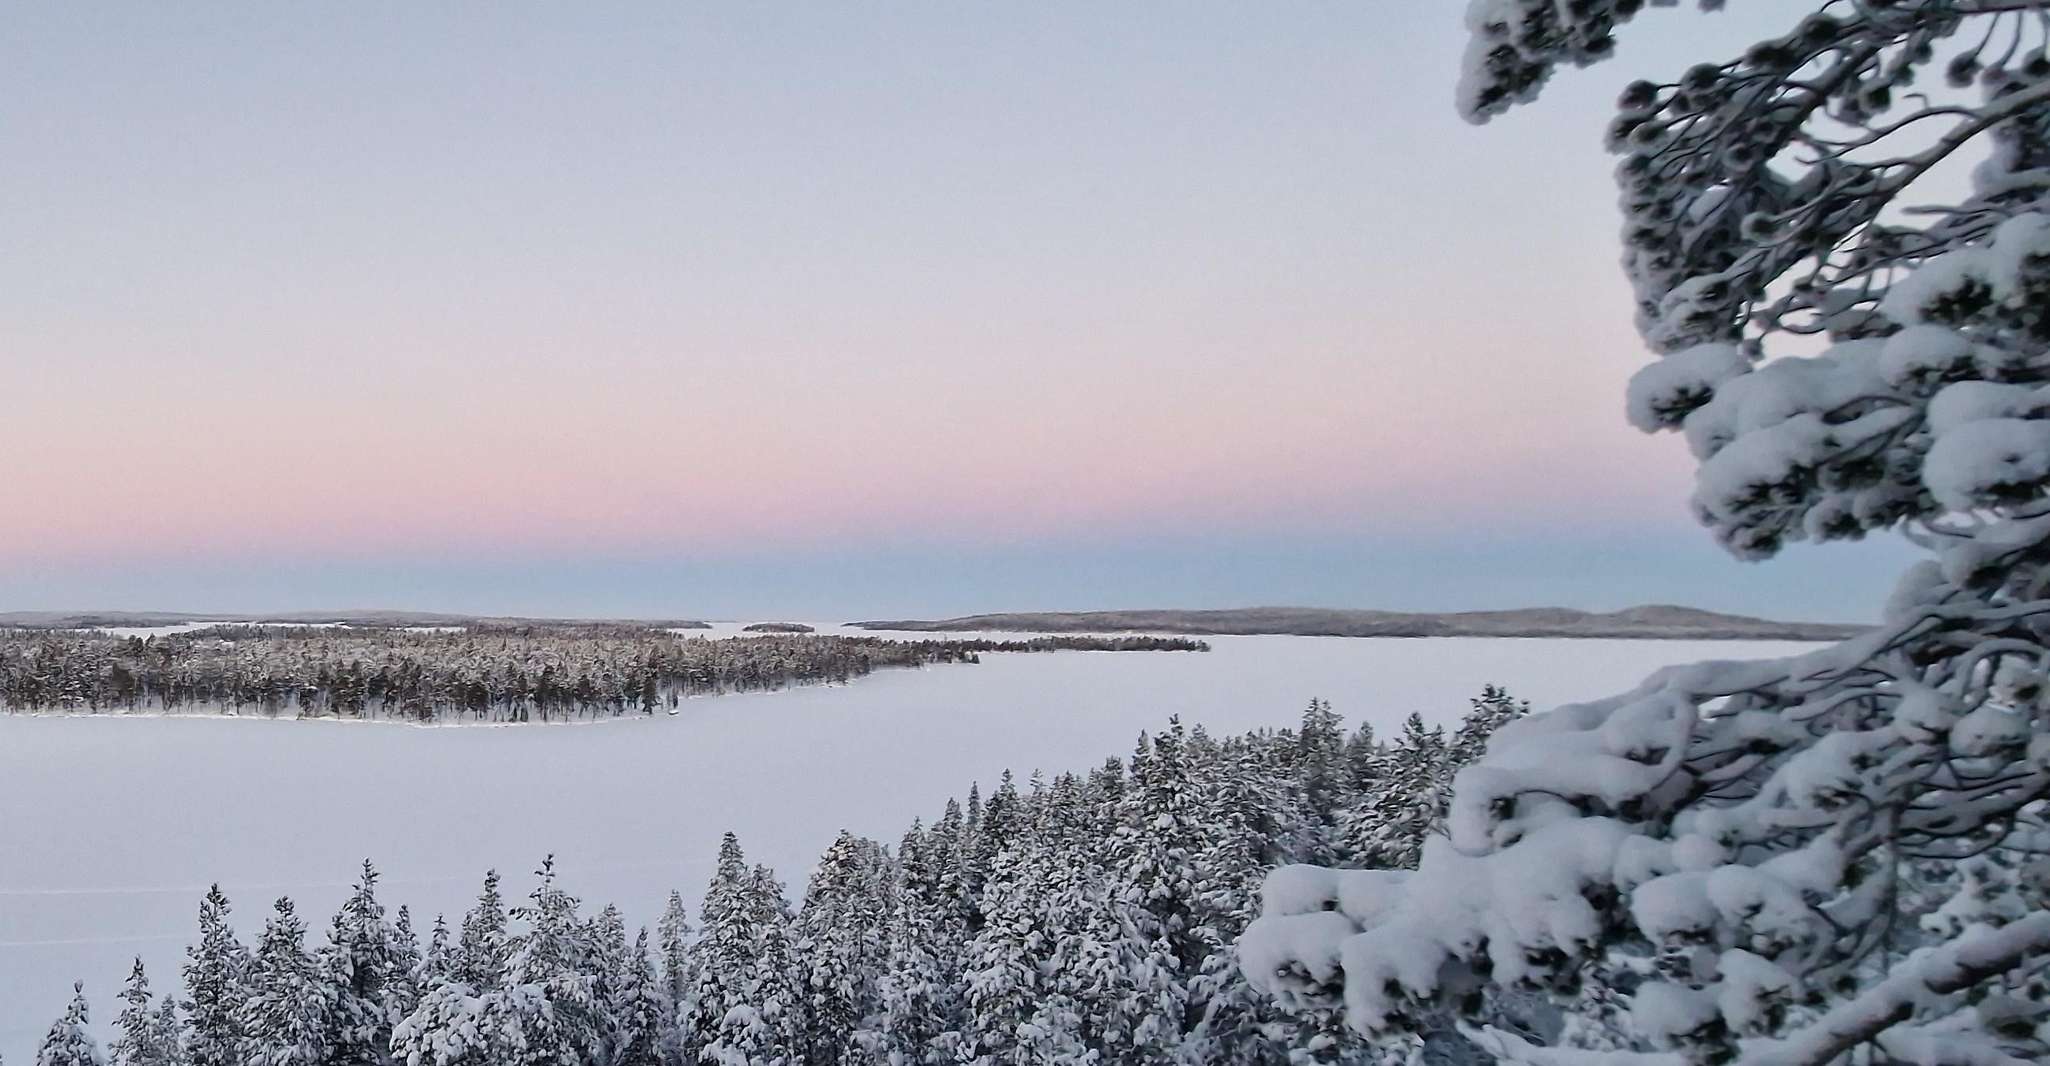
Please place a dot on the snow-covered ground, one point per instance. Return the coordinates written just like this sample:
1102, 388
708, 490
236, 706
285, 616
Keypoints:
113, 826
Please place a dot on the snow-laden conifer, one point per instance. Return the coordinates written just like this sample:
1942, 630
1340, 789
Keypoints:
288, 1016
919, 981
215, 987
371, 972
839, 945
481, 950
636, 1010
1754, 862
675, 934
140, 1038
70, 1041
1001, 969
438, 961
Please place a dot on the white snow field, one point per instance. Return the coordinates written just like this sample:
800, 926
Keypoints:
114, 826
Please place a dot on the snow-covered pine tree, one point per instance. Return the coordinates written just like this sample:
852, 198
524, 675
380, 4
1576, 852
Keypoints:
991, 827
1155, 873
1320, 757
728, 929
675, 962
553, 963
537, 1009
1490, 711
633, 1004
402, 986
139, 1038
971, 818
170, 1034
1001, 967
287, 1018
1363, 753
481, 950
675, 933
214, 987
437, 963
608, 942
1736, 849
608, 965
919, 983
744, 1006
70, 1040
1112, 990
453, 1026
1060, 859
1406, 802
370, 973
1256, 815
839, 940
771, 1031
1107, 785
946, 853
640, 1011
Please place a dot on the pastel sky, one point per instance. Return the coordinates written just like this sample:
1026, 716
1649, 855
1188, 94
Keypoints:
824, 309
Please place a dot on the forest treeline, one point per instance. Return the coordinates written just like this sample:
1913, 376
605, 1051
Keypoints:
1086, 918
519, 673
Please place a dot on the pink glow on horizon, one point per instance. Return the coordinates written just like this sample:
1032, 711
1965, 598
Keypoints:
1141, 309
701, 454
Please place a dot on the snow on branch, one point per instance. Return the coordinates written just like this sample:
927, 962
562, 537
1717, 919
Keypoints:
1833, 855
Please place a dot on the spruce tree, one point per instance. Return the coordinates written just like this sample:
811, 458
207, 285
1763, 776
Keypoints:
839, 940
287, 1018
919, 987
675, 932
1255, 815
138, 1032
70, 1041
538, 1009
1491, 710
1362, 758
722, 958
1002, 966
771, 1031
1407, 803
548, 987
638, 1010
1106, 986
1157, 846
1320, 756
437, 963
371, 975
214, 987
481, 950
402, 984
169, 1032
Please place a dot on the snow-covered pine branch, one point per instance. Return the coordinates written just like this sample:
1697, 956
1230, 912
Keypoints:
1835, 854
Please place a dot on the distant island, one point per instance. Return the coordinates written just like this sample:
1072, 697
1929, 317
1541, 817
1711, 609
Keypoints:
369, 619
777, 627
455, 674
1652, 622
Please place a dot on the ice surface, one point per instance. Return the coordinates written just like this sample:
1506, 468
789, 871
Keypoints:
115, 825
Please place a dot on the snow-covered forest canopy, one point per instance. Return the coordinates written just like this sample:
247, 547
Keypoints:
527, 673
1085, 918
1831, 858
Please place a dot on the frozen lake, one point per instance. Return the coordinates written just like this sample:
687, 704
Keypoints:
114, 826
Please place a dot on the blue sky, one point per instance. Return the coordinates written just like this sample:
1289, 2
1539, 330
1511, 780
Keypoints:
826, 310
